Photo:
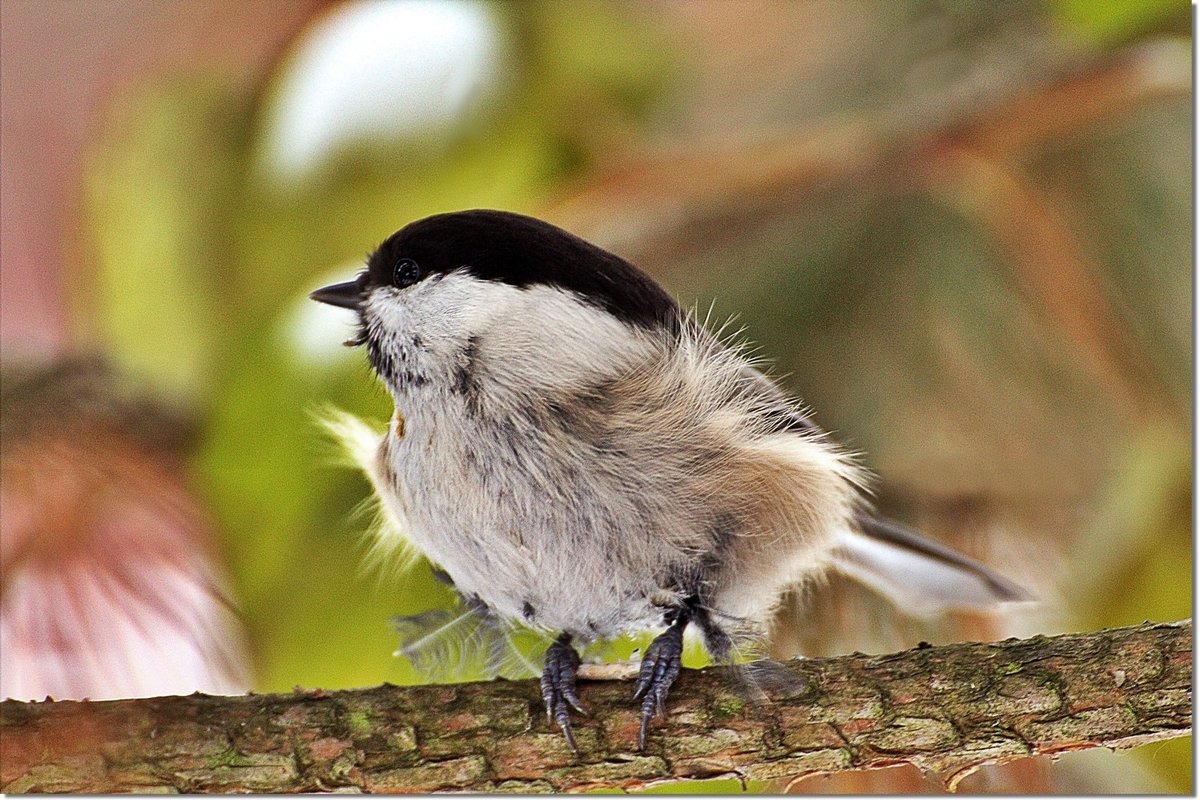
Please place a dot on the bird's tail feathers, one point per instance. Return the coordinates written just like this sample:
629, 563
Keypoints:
923, 578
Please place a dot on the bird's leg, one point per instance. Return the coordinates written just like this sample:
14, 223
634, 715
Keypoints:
660, 667
558, 686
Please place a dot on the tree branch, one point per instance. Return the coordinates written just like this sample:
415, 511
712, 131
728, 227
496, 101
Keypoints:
948, 709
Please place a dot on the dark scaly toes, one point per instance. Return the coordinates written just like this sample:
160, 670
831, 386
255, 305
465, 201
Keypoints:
660, 667
558, 687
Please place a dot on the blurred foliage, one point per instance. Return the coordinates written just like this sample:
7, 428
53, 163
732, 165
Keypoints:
1113, 21
887, 287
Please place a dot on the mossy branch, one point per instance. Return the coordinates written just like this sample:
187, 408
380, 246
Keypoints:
948, 709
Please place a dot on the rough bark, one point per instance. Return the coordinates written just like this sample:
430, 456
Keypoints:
948, 709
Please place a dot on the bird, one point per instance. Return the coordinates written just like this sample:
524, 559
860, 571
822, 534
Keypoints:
579, 454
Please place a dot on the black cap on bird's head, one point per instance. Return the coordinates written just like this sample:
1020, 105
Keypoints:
511, 249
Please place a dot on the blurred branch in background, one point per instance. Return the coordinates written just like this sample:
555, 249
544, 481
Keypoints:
958, 229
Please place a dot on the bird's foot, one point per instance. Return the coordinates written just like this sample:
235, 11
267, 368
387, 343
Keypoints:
558, 687
660, 667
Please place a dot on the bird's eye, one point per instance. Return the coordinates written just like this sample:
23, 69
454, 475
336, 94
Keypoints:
406, 273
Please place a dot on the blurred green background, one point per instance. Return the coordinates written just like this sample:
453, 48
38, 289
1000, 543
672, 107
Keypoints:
959, 230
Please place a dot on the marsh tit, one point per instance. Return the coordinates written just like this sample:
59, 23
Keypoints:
578, 454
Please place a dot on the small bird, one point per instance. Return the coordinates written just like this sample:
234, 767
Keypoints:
577, 453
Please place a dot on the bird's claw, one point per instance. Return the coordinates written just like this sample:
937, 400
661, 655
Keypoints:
559, 688
660, 667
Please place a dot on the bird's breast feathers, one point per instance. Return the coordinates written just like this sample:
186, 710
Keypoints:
592, 499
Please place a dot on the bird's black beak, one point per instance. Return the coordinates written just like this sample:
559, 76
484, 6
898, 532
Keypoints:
348, 295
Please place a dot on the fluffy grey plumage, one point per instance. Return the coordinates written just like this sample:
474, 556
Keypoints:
586, 478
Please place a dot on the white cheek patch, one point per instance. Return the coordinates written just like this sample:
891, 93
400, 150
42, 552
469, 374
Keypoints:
532, 338
553, 340
440, 309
